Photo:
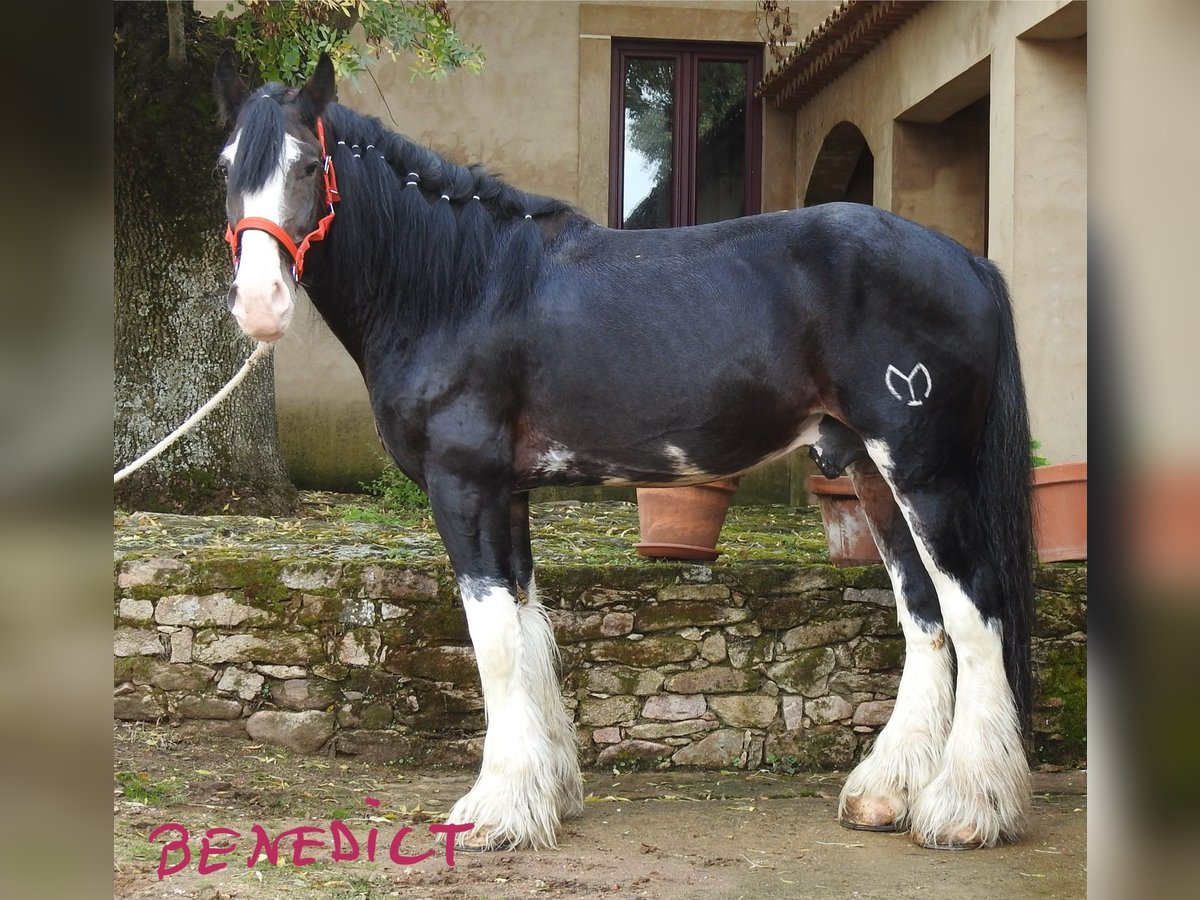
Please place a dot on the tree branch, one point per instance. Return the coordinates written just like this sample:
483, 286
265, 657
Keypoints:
176, 42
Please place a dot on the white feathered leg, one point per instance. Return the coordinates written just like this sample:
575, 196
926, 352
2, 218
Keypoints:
879, 792
982, 790
529, 780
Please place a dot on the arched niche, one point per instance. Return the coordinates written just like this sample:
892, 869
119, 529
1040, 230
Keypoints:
844, 170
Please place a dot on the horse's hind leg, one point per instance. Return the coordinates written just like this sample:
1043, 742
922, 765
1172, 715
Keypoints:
529, 779
877, 795
980, 793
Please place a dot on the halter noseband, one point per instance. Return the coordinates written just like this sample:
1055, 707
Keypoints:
256, 223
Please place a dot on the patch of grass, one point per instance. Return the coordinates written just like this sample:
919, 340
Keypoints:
138, 788
784, 765
355, 889
397, 492
374, 517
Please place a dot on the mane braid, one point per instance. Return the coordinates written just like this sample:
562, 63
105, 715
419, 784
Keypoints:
400, 260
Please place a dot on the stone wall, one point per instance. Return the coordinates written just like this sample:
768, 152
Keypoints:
743, 665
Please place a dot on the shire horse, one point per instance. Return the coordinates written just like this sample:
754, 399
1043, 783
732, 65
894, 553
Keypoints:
507, 342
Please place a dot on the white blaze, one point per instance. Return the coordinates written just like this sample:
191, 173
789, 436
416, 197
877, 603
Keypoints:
264, 294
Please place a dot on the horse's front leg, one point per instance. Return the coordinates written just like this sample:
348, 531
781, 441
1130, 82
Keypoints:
529, 780
544, 675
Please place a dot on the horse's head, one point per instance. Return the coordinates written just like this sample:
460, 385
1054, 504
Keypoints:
278, 194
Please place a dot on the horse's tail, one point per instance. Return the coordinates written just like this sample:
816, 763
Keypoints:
1002, 499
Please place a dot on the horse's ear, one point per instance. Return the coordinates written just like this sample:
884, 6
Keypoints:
228, 85
320, 90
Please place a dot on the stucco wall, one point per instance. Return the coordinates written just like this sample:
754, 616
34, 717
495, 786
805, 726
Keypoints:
1023, 56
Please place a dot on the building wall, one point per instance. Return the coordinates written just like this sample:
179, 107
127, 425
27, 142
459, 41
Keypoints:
1030, 61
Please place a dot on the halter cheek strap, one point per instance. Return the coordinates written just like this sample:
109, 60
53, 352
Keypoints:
296, 252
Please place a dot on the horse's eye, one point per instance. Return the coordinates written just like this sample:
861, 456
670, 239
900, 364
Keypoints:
310, 168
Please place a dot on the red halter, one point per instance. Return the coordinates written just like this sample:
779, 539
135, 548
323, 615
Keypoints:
256, 223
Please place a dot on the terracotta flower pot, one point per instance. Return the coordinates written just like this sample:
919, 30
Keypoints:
683, 522
1060, 511
1059, 516
846, 528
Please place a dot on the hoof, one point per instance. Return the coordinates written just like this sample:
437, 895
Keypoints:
938, 843
869, 814
961, 838
868, 826
483, 840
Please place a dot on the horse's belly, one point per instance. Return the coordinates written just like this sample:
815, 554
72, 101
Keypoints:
691, 459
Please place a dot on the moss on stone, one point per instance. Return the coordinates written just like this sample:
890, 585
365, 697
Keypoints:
804, 672
1060, 702
866, 577
432, 623
879, 654
761, 579
435, 663
376, 715
315, 610
144, 592
746, 653
1058, 614
779, 613
651, 651
568, 583
1064, 577
813, 749
132, 668
686, 613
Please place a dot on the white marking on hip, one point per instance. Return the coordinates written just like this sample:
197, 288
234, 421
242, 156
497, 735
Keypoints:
911, 382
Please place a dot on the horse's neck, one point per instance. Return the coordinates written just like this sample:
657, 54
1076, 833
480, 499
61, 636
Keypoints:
350, 326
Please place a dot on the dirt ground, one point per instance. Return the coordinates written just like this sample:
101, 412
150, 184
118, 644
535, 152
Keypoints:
646, 834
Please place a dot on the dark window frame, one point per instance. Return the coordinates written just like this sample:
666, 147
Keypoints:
687, 56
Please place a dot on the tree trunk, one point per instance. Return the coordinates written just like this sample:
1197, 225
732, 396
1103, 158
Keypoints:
175, 344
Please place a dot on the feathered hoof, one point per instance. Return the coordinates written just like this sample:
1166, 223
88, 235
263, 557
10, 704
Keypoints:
943, 842
971, 819
506, 817
862, 813
483, 839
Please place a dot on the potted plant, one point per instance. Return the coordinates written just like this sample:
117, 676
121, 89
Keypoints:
683, 522
1059, 514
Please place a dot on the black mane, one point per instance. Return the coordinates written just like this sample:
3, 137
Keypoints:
403, 257
262, 129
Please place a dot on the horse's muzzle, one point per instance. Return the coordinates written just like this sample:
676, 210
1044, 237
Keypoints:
263, 311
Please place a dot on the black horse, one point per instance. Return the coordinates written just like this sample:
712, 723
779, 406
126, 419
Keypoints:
508, 342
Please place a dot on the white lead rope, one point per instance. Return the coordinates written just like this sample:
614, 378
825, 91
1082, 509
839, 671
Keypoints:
260, 351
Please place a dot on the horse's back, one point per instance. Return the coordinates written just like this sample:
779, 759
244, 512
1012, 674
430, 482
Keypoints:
830, 268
